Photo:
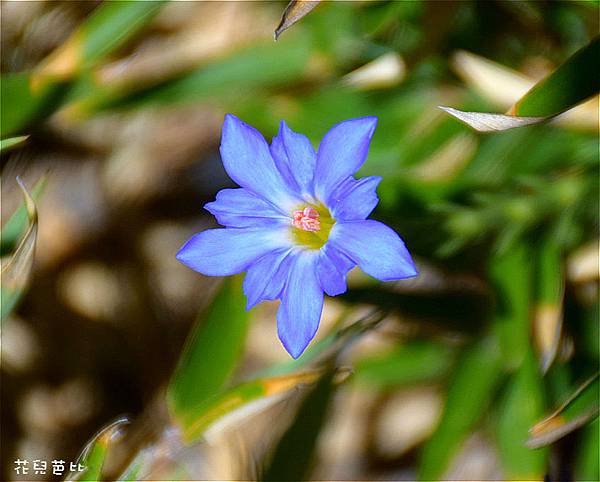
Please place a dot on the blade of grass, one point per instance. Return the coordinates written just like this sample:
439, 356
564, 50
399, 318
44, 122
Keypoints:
16, 225
522, 404
211, 355
574, 81
295, 10
294, 454
107, 29
94, 454
579, 409
547, 320
7, 144
406, 365
473, 383
16, 271
511, 274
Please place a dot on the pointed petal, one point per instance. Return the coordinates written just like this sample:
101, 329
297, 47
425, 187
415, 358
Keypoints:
354, 199
301, 304
375, 247
223, 252
266, 277
248, 162
239, 208
332, 270
295, 158
341, 153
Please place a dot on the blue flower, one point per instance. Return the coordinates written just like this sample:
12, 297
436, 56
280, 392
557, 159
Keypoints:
298, 223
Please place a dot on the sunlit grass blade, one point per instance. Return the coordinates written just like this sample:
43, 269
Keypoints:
406, 365
242, 400
15, 227
294, 453
6, 144
16, 270
578, 410
294, 11
474, 381
570, 84
522, 404
20, 104
28, 96
211, 355
107, 29
94, 454
259, 65
548, 314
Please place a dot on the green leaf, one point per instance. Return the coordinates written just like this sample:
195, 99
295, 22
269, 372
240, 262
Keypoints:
406, 365
293, 456
570, 84
579, 409
16, 271
242, 396
548, 315
108, 28
587, 459
94, 454
7, 144
210, 356
473, 383
511, 274
574, 81
29, 96
21, 104
522, 404
15, 227
260, 66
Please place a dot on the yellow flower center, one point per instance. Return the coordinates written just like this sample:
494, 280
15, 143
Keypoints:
311, 226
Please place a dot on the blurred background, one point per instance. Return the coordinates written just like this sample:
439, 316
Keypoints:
123, 109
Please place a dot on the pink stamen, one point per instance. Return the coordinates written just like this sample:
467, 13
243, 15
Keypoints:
307, 219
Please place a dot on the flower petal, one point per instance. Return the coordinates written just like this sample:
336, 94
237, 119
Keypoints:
295, 158
248, 162
239, 208
332, 269
341, 153
266, 277
223, 252
301, 304
375, 247
354, 199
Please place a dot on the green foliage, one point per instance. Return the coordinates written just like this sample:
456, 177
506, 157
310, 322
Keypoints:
294, 453
522, 404
471, 390
210, 356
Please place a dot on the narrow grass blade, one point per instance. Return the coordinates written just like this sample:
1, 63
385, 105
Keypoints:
242, 400
16, 271
548, 313
210, 356
107, 29
417, 362
582, 407
293, 456
7, 144
511, 275
522, 404
570, 84
94, 454
17, 224
474, 381
587, 460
